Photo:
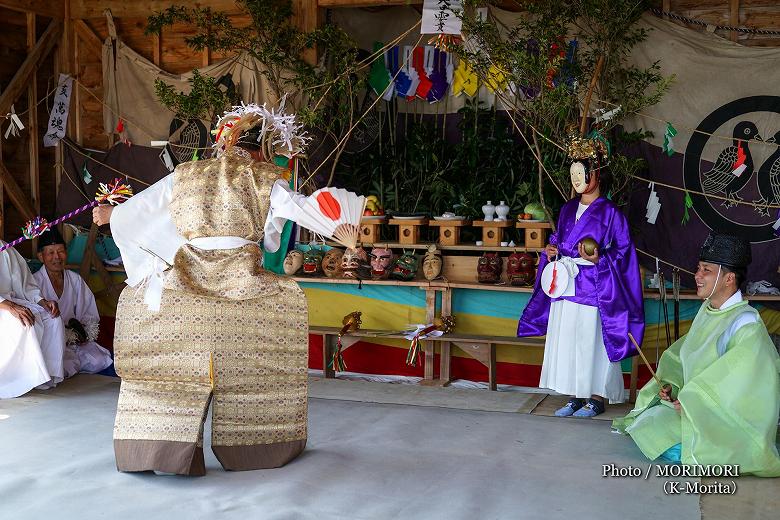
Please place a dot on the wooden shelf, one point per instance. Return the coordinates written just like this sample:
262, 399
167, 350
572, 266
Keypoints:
442, 284
494, 223
350, 281
462, 247
525, 224
504, 287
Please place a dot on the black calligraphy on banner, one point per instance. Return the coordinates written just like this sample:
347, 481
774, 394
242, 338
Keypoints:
58, 119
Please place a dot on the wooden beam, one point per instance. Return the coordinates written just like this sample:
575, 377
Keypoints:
15, 194
40, 51
205, 57
133, 9
733, 18
70, 26
365, 3
49, 8
88, 37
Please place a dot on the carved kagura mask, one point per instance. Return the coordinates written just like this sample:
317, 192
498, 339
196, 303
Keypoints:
293, 262
583, 179
331, 263
489, 268
312, 262
520, 269
381, 259
353, 261
405, 267
432, 263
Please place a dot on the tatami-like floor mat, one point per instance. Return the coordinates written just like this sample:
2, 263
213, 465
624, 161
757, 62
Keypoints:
415, 395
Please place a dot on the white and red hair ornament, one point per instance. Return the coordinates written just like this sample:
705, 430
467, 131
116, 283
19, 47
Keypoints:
273, 131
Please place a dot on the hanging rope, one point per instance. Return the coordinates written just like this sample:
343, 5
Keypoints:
693, 21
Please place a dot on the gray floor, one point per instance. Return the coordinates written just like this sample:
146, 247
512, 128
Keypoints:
363, 461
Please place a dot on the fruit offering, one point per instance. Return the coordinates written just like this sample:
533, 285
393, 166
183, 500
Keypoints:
373, 207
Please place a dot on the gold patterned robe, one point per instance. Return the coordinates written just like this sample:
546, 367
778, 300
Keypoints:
227, 331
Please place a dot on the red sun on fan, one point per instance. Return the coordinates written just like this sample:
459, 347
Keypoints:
329, 206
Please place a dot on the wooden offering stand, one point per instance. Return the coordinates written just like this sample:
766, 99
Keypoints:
535, 232
408, 230
449, 231
493, 230
369, 230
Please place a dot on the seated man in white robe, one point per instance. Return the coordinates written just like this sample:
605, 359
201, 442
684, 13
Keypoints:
32, 337
77, 307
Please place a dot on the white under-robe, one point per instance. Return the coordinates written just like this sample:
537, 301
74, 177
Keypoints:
575, 358
77, 301
29, 356
145, 255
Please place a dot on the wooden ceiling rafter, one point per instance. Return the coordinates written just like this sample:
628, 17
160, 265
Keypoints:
86, 9
48, 8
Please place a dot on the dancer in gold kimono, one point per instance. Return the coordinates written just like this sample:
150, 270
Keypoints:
201, 320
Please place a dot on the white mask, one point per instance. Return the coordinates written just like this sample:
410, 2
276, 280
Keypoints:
577, 172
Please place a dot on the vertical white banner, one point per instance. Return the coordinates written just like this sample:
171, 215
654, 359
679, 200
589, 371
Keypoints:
58, 119
441, 17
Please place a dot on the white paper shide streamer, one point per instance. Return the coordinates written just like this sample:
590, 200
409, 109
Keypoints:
15, 125
653, 205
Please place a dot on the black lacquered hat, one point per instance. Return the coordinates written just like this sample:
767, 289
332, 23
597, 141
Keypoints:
726, 250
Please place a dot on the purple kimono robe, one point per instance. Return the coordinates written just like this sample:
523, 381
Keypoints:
613, 284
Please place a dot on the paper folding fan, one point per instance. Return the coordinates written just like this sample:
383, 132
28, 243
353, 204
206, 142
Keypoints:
334, 213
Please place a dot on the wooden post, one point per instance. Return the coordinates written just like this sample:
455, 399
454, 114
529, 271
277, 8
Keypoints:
492, 384
89, 252
445, 360
307, 16
429, 346
156, 48
32, 106
328, 347
32, 122
733, 18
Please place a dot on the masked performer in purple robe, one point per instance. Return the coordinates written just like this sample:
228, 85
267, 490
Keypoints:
591, 297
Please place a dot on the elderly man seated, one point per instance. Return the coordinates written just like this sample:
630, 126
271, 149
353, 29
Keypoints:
32, 334
77, 307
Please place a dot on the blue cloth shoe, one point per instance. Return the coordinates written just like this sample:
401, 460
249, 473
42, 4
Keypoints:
572, 406
673, 454
591, 409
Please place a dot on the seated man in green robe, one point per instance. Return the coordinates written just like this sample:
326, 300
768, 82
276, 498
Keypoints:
721, 381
